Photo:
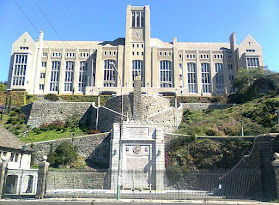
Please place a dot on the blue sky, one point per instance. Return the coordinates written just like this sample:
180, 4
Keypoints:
188, 20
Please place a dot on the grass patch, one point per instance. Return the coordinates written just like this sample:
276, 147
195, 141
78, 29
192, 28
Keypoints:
258, 117
34, 136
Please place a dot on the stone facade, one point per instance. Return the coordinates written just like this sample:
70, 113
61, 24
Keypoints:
47, 112
181, 68
155, 109
77, 180
94, 147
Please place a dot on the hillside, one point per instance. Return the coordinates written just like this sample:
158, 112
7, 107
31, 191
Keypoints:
258, 117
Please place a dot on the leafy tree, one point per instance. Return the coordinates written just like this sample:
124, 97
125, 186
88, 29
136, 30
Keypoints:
246, 77
65, 154
3, 86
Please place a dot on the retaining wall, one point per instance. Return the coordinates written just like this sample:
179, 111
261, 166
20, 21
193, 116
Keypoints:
94, 147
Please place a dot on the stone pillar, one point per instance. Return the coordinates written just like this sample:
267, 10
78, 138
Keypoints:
268, 175
198, 75
275, 165
3, 166
137, 110
43, 168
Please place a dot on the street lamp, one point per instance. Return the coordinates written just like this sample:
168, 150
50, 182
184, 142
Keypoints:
111, 63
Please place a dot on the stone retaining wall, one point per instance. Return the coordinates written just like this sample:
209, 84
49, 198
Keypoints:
94, 147
46, 112
77, 180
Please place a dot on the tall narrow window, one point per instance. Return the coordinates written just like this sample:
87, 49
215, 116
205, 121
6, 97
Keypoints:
137, 69
219, 76
69, 76
109, 74
137, 19
205, 72
82, 76
165, 74
19, 70
192, 78
252, 63
54, 76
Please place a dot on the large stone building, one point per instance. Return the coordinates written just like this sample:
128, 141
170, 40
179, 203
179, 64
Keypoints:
91, 67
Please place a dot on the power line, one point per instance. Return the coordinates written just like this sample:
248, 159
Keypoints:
64, 42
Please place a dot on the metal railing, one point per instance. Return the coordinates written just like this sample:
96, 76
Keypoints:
241, 184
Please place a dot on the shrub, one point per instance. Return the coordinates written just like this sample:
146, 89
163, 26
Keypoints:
65, 154
51, 97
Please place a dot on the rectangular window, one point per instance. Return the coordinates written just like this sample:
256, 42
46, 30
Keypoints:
69, 76
41, 86
109, 74
165, 74
252, 62
230, 66
44, 64
192, 77
205, 72
137, 69
82, 76
42, 75
19, 70
137, 19
219, 76
44, 54
54, 76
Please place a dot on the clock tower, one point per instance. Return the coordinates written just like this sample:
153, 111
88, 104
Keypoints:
137, 46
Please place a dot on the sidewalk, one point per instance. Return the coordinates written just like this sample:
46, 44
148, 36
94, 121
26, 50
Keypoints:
90, 201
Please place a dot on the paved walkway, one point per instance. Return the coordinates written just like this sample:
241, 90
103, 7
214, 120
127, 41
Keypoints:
88, 201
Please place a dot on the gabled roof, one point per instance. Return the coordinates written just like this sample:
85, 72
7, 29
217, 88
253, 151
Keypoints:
249, 38
8, 140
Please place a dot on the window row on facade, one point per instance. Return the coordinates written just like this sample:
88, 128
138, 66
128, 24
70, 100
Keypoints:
166, 76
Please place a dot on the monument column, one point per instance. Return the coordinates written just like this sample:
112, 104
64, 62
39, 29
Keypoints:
137, 110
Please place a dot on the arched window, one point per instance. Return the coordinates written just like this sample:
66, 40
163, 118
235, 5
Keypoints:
205, 72
137, 69
69, 76
54, 75
109, 74
166, 74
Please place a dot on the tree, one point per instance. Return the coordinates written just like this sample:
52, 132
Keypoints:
65, 154
246, 77
3, 86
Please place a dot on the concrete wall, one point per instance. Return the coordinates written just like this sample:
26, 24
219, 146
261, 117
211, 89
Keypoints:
47, 112
94, 147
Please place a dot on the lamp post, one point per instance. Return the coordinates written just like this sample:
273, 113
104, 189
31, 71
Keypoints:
121, 126
242, 131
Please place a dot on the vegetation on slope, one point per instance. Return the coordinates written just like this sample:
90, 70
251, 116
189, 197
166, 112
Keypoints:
15, 123
258, 117
189, 153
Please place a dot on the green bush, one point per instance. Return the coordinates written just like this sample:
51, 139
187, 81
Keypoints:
65, 154
205, 154
51, 97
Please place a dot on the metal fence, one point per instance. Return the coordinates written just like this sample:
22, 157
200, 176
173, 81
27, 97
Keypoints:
241, 184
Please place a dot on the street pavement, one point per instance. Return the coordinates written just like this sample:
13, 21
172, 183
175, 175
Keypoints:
88, 201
